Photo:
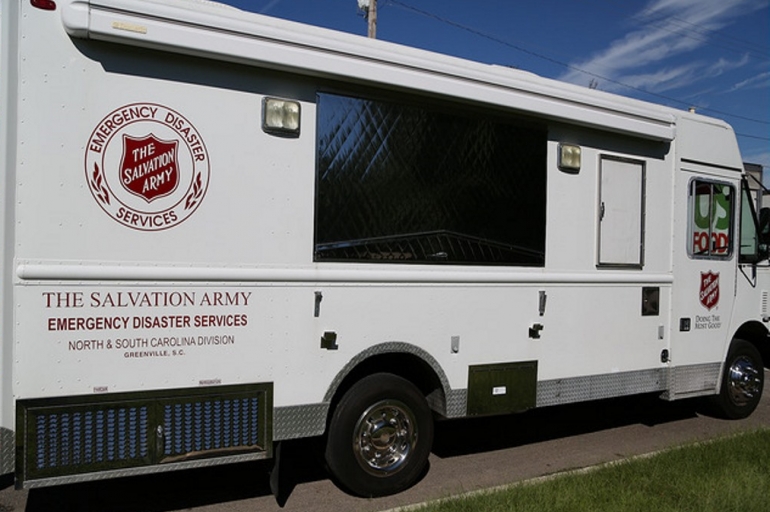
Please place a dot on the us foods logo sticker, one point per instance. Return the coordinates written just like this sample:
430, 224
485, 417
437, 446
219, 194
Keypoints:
147, 166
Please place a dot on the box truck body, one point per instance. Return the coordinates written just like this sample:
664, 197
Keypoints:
222, 230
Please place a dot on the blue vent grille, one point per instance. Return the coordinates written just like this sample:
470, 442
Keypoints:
213, 424
78, 438
74, 435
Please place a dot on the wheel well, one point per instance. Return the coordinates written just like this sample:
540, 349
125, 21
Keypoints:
407, 366
756, 334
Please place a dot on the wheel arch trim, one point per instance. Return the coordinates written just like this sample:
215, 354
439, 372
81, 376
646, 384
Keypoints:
441, 406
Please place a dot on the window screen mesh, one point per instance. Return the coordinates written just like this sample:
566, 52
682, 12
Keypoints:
423, 185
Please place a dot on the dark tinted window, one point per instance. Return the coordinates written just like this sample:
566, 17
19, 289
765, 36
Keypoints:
416, 184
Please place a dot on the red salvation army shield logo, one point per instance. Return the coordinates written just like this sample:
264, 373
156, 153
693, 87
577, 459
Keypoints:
709, 289
147, 166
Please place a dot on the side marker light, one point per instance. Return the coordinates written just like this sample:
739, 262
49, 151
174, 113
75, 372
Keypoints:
569, 158
281, 117
46, 5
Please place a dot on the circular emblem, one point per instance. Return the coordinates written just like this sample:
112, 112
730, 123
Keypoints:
147, 166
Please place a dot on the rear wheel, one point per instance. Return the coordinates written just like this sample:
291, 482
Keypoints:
742, 382
380, 436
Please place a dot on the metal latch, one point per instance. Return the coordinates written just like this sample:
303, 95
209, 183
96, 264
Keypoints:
534, 331
160, 444
319, 296
329, 340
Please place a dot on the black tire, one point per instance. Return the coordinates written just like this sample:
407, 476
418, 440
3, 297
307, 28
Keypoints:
743, 380
395, 457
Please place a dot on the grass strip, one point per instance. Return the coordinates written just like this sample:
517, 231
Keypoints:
727, 474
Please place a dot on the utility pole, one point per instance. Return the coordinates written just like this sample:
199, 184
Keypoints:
369, 10
372, 18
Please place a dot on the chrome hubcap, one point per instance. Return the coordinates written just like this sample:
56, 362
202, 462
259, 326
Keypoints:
744, 381
384, 437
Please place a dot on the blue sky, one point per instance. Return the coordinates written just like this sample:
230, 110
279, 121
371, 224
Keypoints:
711, 54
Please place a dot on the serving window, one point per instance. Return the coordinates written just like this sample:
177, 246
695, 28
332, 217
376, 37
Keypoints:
405, 182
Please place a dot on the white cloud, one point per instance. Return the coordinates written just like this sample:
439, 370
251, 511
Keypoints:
269, 6
759, 81
724, 65
666, 29
662, 79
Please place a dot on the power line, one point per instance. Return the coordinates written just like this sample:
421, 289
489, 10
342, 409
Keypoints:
650, 14
680, 26
570, 66
668, 24
751, 136
748, 46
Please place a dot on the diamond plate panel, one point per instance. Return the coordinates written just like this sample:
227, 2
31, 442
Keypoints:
457, 403
694, 380
597, 387
7, 451
407, 183
298, 421
145, 470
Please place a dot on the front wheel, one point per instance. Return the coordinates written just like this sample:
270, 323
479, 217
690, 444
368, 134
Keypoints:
742, 382
380, 436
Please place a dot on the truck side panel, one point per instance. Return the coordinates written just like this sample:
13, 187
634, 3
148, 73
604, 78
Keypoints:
8, 90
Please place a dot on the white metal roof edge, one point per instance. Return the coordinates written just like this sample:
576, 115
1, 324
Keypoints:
213, 30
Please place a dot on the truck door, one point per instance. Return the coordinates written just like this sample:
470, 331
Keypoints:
704, 262
621, 214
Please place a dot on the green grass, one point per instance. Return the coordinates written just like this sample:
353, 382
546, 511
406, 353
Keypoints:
730, 474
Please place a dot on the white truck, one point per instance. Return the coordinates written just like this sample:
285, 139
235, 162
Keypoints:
222, 231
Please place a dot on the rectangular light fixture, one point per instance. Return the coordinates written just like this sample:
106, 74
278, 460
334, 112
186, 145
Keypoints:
280, 117
569, 158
